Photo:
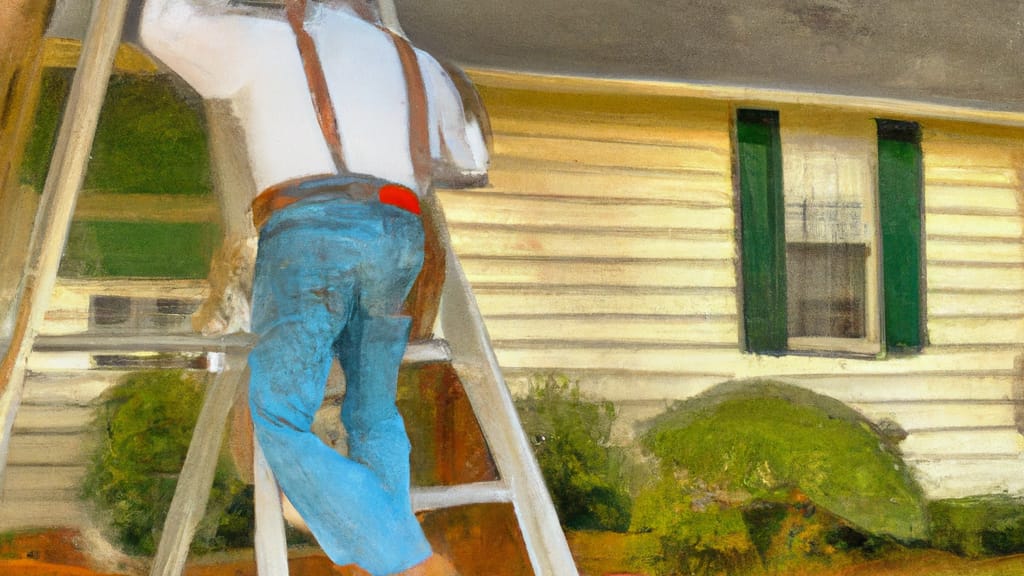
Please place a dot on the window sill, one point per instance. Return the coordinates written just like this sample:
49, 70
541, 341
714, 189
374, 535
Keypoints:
834, 346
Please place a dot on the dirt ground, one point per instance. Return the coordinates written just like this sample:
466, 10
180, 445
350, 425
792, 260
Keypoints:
59, 553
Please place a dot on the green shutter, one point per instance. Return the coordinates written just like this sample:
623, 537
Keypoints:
762, 214
899, 204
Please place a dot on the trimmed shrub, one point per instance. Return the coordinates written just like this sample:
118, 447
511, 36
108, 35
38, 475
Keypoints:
145, 425
979, 526
584, 473
765, 470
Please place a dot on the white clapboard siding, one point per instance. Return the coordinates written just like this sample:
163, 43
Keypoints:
976, 330
516, 242
961, 381
923, 415
1007, 441
706, 130
833, 376
612, 154
625, 331
69, 304
975, 226
959, 174
607, 228
512, 210
29, 479
611, 273
605, 248
53, 419
952, 477
69, 389
634, 183
953, 276
507, 302
946, 149
639, 373
42, 449
953, 304
952, 249
965, 199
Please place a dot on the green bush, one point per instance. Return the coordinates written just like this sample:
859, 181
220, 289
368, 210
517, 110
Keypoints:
145, 425
585, 475
978, 526
764, 470
146, 120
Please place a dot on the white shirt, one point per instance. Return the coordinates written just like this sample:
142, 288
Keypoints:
253, 61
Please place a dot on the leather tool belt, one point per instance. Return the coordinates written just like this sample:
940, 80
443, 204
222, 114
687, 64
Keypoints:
352, 186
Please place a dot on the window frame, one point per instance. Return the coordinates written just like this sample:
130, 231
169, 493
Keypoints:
762, 243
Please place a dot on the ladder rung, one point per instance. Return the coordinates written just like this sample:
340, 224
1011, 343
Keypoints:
91, 342
419, 352
427, 351
435, 497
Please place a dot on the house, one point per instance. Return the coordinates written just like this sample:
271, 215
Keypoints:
650, 240
653, 238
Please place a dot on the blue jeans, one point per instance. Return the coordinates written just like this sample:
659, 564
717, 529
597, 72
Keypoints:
331, 277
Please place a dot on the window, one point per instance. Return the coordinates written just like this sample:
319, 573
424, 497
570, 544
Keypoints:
830, 207
131, 315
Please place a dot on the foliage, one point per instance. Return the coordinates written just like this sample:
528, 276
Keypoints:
146, 423
139, 249
979, 526
145, 121
585, 475
766, 439
763, 470
698, 529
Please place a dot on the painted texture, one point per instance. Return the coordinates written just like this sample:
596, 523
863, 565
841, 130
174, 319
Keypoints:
624, 274
762, 230
21, 30
626, 277
138, 214
899, 199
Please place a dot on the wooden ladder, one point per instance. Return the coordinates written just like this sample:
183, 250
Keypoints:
466, 346
463, 342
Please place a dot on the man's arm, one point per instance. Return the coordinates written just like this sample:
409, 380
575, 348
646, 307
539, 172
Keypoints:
208, 43
459, 145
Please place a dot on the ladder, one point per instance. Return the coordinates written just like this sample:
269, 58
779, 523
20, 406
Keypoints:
463, 342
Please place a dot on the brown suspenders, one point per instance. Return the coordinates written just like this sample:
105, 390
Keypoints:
419, 141
422, 302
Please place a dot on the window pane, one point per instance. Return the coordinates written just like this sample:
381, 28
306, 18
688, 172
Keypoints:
826, 290
110, 310
829, 188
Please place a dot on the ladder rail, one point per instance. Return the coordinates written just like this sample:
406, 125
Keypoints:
474, 359
192, 492
60, 193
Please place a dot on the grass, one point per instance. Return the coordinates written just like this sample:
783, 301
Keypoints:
139, 249
150, 139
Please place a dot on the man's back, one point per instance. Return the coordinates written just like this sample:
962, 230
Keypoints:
255, 63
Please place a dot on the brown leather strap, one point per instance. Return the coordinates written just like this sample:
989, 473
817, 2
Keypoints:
321, 96
419, 135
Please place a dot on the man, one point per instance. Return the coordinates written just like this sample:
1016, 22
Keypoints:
340, 161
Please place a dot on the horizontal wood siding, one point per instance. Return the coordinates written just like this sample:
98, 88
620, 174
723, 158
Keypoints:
608, 225
605, 249
70, 302
975, 233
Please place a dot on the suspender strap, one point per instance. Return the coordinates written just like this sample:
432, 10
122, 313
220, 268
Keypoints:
419, 137
296, 10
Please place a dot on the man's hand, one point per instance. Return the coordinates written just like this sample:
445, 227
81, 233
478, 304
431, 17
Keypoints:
227, 308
